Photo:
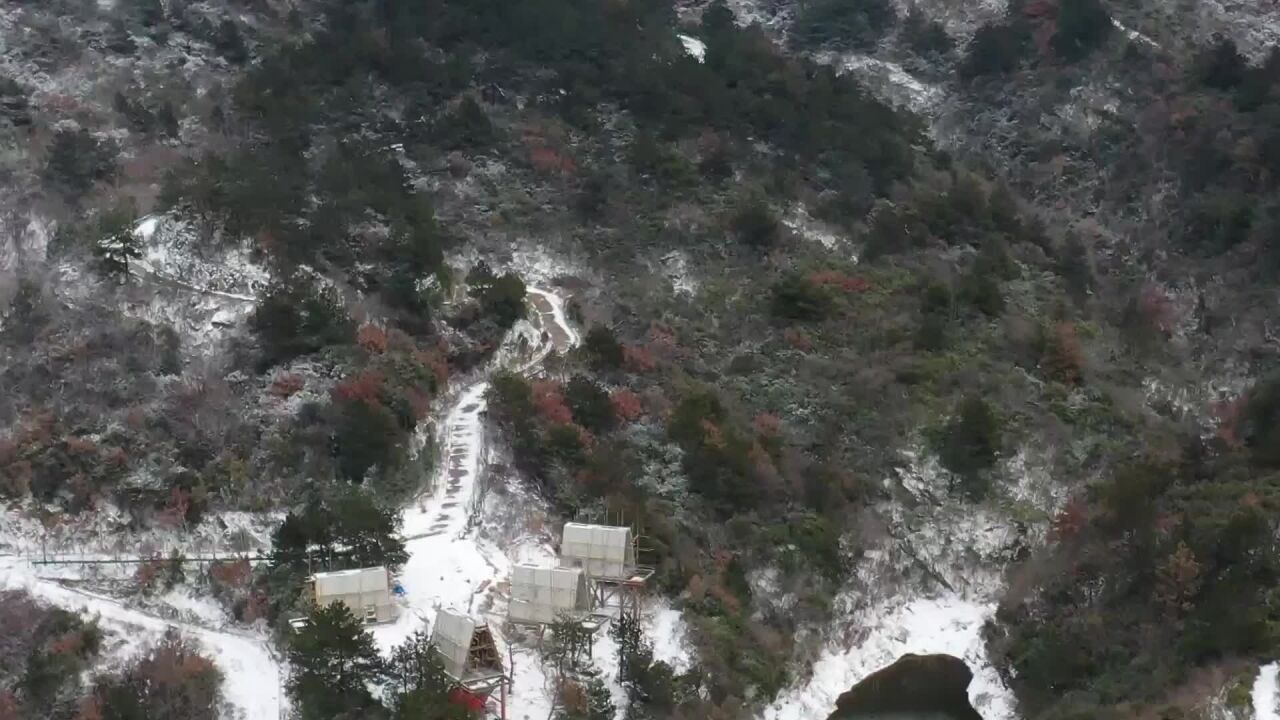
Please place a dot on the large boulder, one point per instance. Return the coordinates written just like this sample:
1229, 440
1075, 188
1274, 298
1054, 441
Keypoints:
915, 685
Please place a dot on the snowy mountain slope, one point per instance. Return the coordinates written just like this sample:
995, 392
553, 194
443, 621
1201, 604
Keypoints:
928, 587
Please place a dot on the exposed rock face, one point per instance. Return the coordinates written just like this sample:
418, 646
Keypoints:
932, 685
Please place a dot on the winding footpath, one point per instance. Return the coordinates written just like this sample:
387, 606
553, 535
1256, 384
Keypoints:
453, 564
449, 566
254, 679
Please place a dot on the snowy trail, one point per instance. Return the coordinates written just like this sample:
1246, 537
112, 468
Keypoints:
253, 677
451, 564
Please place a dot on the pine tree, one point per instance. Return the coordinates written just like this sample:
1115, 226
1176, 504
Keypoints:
969, 444
419, 686
334, 663
117, 244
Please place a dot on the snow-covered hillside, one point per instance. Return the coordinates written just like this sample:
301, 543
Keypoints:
929, 587
464, 536
253, 674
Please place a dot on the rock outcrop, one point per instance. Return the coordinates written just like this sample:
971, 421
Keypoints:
932, 685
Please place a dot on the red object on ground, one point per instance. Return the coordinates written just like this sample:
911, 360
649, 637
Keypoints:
467, 699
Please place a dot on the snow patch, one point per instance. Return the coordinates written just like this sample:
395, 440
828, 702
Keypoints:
929, 586
948, 624
889, 81
1266, 693
806, 226
1134, 35
675, 265
694, 47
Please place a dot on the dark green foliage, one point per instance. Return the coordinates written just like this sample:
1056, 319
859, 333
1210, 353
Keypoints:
501, 296
1221, 65
933, 333
980, 287
590, 404
135, 113
229, 43
167, 120
1260, 84
148, 12
116, 244
1168, 600
14, 104
661, 163
650, 684
119, 40
969, 445
894, 229
418, 682
346, 530
414, 255
1082, 26
717, 457
1261, 427
797, 298
811, 541
754, 224
296, 317
465, 127
1075, 268
995, 48
602, 348
597, 705
1219, 221
367, 435
77, 160
27, 313
843, 24
49, 668
334, 661
982, 290
924, 35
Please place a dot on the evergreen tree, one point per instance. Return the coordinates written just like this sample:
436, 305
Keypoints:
590, 404
602, 348
229, 43
296, 317
969, 444
925, 36
167, 118
996, 48
418, 685
77, 160
843, 24
755, 224
334, 662
796, 298
116, 244
1221, 66
502, 297
1082, 26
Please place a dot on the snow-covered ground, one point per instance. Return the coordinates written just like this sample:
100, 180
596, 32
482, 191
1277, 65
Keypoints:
204, 288
464, 535
927, 588
254, 679
1266, 693
948, 624
693, 46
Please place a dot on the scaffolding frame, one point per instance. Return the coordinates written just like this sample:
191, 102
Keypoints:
469, 652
